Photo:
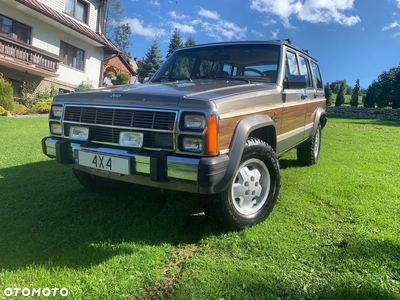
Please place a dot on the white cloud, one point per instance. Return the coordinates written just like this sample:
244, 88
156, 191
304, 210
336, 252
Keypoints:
174, 15
274, 34
208, 14
138, 28
257, 33
395, 24
398, 3
154, 3
224, 30
269, 22
313, 11
183, 28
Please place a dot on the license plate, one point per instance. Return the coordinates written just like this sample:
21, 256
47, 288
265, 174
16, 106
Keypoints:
103, 162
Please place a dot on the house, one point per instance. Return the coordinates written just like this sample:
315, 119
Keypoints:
57, 44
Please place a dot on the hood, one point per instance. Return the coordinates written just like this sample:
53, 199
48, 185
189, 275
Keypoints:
196, 93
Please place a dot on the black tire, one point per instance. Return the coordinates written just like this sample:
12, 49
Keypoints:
308, 152
253, 192
97, 183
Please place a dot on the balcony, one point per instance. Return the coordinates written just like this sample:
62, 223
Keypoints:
27, 58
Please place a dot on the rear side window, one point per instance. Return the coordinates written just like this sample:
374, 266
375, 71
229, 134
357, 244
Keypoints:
317, 74
305, 70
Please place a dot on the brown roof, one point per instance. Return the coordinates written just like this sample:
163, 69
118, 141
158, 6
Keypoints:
63, 19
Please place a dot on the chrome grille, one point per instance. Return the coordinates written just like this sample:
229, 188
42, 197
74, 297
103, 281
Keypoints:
101, 120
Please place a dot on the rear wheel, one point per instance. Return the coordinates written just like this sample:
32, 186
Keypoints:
308, 152
253, 191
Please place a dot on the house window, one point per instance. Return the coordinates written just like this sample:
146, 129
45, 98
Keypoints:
15, 30
72, 56
77, 8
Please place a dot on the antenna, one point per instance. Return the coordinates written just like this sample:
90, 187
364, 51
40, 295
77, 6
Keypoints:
169, 16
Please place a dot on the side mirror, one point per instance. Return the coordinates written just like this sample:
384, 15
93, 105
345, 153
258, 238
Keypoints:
295, 82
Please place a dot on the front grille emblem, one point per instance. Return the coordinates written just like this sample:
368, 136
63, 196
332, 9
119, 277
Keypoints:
115, 96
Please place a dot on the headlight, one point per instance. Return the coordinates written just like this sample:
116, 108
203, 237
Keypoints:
131, 139
55, 128
194, 121
79, 133
56, 111
194, 144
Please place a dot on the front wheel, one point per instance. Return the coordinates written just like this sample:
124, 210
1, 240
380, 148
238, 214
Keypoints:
253, 192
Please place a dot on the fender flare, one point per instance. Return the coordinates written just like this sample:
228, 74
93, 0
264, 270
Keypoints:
319, 117
238, 142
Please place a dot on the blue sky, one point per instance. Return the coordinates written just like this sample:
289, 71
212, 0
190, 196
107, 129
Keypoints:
351, 39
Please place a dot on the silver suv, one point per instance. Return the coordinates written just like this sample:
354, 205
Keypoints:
213, 120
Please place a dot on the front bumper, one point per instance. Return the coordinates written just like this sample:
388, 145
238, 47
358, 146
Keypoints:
158, 169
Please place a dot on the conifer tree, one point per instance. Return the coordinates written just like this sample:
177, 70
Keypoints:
328, 94
190, 42
175, 43
354, 96
152, 61
340, 95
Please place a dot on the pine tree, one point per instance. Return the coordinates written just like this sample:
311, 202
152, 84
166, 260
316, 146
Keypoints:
328, 94
190, 42
354, 96
152, 61
175, 43
340, 95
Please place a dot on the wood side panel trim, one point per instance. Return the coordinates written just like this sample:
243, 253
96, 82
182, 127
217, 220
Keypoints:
227, 126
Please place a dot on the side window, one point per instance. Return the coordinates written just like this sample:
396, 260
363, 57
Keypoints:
317, 75
305, 70
292, 67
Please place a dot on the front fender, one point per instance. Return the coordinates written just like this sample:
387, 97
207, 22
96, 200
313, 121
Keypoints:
244, 129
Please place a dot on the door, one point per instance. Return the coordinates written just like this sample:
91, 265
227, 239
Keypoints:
294, 107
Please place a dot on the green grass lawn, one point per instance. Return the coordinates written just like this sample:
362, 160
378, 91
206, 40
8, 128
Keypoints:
334, 233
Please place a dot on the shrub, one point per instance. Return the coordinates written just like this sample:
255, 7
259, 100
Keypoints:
6, 94
84, 86
3, 112
20, 109
42, 106
122, 78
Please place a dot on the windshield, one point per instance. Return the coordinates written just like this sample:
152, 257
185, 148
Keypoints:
236, 61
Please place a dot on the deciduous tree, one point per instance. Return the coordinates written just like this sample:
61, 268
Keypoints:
122, 39
113, 14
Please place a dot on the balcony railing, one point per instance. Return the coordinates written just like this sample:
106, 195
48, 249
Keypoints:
28, 54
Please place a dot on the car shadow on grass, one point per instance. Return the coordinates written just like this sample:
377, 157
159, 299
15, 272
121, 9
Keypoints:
47, 218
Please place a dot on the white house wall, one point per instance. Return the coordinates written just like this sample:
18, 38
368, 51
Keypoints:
58, 5
48, 38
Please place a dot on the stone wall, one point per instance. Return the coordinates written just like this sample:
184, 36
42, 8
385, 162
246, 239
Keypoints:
363, 112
